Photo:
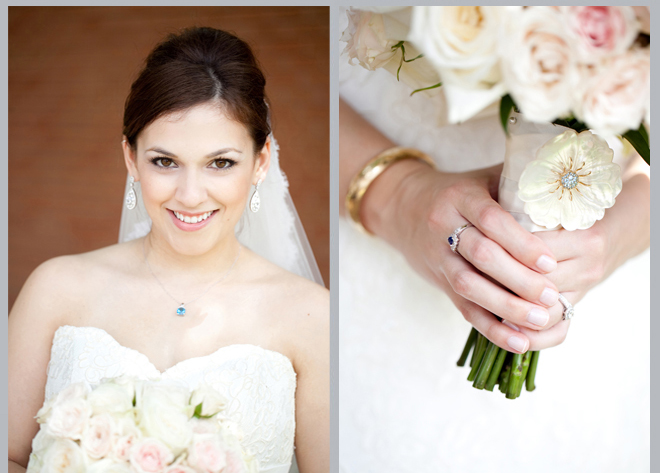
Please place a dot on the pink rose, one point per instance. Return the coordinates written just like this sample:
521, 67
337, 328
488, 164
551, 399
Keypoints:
97, 439
150, 455
207, 454
601, 31
614, 97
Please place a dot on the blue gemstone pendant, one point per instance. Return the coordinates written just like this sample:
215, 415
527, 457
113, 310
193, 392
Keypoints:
181, 310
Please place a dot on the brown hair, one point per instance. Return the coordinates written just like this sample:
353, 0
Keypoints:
199, 65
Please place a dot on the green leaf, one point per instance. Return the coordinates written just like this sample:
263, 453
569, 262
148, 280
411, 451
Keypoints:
439, 84
198, 411
506, 105
644, 133
637, 140
134, 399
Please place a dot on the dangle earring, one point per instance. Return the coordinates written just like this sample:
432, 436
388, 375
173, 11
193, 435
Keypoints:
131, 198
255, 200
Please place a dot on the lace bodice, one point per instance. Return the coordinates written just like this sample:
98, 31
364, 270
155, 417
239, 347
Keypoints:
259, 384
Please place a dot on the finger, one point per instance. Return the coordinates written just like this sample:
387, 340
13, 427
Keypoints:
562, 243
539, 340
500, 226
473, 286
490, 327
489, 257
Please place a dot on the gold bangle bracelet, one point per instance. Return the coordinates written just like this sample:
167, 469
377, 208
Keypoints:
374, 168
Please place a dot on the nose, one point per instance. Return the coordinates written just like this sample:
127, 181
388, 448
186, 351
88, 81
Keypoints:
191, 189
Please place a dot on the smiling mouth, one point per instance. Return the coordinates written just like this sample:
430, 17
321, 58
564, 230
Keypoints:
193, 218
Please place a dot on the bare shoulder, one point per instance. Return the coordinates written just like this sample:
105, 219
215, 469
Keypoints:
59, 284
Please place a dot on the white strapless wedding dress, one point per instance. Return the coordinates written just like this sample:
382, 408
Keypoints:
259, 384
404, 404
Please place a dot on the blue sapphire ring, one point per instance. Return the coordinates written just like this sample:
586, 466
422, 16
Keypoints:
453, 239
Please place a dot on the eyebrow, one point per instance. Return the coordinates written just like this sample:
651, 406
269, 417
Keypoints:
219, 152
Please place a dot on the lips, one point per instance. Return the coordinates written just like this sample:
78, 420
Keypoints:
191, 222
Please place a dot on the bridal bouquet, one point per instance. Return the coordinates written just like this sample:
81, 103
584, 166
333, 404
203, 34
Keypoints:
582, 67
126, 425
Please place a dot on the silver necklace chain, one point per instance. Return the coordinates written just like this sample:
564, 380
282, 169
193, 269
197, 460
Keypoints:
181, 310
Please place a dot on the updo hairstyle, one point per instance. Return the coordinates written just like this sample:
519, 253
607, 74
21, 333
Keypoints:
197, 66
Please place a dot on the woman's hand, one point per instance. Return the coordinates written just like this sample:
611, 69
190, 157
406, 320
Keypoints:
587, 257
415, 209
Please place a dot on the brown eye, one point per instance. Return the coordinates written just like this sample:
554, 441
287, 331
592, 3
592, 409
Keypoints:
163, 162
223, 163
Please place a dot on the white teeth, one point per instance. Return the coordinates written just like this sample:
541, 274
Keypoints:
195, 219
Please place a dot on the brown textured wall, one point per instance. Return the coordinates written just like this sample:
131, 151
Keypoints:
70, 70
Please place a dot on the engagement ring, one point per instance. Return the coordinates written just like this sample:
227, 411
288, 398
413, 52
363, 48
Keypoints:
454, 240
569, 312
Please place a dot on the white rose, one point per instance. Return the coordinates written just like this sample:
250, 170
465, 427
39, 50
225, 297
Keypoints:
111, 397
538, 63
164, 414
64, 456
615, 96
40, 444
366, 40
212, 401
204, 426
461, 42
127, 435
109, 466
69, 418
600, 32
98, 438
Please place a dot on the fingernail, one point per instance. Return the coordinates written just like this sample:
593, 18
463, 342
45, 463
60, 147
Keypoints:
546, 264
518, 344
511, 325
549, 297
538, 317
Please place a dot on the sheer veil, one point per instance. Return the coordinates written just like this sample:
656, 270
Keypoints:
275, 232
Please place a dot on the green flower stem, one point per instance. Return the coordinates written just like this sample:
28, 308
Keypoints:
496, 370
480, 341
525, 368
486, 365
505, 375
515, 378
478, 355
531, 373
472, 338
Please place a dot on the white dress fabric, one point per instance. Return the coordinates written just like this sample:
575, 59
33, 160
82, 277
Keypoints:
404, 404
259, 384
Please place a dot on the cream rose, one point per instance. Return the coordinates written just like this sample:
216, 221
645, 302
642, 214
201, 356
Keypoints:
366, 40
98, 437
460, 41
150, 455
538, 63
600, 32
64, 456
127, 435
614, 97
165, 413
207, 454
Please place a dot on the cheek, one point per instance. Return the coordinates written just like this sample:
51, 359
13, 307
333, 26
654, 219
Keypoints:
155, 191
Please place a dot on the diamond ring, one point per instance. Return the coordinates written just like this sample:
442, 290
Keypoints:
569, 312
453, 238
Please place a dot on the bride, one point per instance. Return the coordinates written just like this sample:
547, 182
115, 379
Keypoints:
406, 300
192, 298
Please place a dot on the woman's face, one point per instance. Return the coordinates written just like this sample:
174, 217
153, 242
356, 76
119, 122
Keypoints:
195, 170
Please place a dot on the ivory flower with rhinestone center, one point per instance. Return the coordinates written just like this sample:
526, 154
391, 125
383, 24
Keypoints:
571, 182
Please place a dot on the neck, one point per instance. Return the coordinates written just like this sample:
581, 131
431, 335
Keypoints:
165, 260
